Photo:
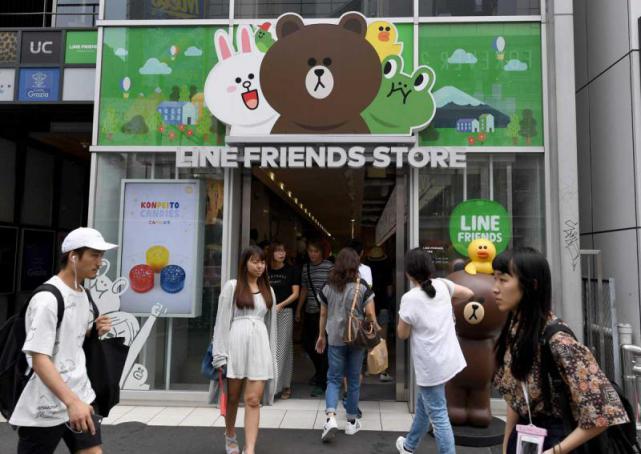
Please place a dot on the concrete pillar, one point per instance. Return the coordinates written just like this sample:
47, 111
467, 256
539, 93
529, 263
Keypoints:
561, 149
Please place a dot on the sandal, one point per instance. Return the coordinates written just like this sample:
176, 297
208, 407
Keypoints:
286, 394
231, 445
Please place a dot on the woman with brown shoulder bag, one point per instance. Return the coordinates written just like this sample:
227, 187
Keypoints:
347, 321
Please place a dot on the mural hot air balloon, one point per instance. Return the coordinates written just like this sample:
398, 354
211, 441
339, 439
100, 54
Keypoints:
173, 51
125, 85
499, 47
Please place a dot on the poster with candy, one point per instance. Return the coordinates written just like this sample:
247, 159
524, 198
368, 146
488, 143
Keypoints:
161, 238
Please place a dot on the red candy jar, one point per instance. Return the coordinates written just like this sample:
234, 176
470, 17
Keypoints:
141, 278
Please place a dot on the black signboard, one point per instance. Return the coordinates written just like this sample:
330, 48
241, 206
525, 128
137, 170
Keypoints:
8, 249
41, 47
37, 258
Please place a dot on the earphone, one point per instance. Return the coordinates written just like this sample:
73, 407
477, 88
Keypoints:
74, 258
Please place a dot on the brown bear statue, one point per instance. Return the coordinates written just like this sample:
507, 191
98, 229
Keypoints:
478, 324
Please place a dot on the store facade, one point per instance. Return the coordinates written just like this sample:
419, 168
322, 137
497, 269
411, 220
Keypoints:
454, 102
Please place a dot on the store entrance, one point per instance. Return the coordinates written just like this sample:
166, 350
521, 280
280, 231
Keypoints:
333, 207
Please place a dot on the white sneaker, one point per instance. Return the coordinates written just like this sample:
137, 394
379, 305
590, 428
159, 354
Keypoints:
329, 430
400, 445
385, 377
351, 429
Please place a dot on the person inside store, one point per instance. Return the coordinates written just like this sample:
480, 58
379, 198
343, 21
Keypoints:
425, 317
244, 345
382, 284
56, 403
343, 290
313, 276
285, 280
522, 285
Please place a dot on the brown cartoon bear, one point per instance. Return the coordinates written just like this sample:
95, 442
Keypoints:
478, 325
320, 77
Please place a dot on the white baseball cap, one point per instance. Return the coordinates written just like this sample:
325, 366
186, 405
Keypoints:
85, 237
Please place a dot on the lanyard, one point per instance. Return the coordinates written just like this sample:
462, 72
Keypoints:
527, 402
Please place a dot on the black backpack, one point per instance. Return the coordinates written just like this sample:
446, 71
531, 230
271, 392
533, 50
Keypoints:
619, 439
13, 362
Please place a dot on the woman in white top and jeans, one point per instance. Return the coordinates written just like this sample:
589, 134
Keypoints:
426, 317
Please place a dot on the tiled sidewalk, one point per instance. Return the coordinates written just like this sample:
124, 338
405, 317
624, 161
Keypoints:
286, 414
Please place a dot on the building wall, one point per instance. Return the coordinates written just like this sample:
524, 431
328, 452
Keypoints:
608, 130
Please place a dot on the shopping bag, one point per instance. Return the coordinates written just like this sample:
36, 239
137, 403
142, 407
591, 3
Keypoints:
377, 359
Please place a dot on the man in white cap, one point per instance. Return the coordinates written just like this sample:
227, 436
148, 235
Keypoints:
56, 403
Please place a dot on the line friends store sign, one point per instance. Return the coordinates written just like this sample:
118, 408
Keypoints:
298, 157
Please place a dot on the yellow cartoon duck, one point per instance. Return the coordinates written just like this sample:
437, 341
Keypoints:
382, 36
481, 253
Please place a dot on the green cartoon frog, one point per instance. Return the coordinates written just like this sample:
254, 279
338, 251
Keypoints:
404, 102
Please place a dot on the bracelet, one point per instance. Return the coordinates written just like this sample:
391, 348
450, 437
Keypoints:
558, 445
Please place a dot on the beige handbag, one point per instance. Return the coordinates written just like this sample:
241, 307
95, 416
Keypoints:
377, 359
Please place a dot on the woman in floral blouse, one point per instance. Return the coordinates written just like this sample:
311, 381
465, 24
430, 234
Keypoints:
523, 287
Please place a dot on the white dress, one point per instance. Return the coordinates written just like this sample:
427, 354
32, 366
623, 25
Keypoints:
250, 355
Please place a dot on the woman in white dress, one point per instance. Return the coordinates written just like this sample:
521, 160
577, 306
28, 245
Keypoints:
244, 343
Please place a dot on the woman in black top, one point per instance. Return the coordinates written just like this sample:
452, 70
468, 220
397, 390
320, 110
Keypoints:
285, 280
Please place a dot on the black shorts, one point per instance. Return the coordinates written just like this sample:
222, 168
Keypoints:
44, 440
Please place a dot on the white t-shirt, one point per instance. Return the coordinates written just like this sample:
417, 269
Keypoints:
366, 274
436, 352
38, 406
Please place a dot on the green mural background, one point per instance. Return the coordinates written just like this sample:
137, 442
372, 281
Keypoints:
147, 68
162, 65
469, 70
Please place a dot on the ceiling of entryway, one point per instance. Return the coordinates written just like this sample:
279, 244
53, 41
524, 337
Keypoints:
334, 196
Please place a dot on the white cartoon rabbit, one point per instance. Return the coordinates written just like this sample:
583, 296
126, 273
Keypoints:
232, 89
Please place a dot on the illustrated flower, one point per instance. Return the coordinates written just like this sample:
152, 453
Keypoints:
190, 132
181, 127
161, 129
172, 135
482, 136
471, 140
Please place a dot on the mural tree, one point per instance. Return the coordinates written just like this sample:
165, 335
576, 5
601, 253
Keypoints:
203, 128
513, 128
528, 126
184, 94
109, 122
175, 93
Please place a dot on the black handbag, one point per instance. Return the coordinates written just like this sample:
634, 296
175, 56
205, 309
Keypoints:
105, 363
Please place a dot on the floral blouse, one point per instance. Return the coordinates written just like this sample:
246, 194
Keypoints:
593, 400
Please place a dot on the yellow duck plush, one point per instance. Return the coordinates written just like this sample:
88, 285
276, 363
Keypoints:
382, 36
481, 253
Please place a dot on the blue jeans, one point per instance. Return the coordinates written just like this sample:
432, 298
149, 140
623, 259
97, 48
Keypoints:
344, 362
431, 406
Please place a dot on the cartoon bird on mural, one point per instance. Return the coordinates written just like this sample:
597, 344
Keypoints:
382, 36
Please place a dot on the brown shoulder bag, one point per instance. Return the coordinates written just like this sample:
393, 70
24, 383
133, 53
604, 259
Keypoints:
359, 333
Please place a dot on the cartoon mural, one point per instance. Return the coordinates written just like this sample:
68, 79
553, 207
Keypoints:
488, 90
106, 294
308, 76
404, 102
233, 88
193, 86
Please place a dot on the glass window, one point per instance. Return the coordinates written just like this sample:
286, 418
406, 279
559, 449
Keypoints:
76, 13
37, 197
514, 180
479, 7
73, 187
8, 178
166, 9
249, 9
189, 336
